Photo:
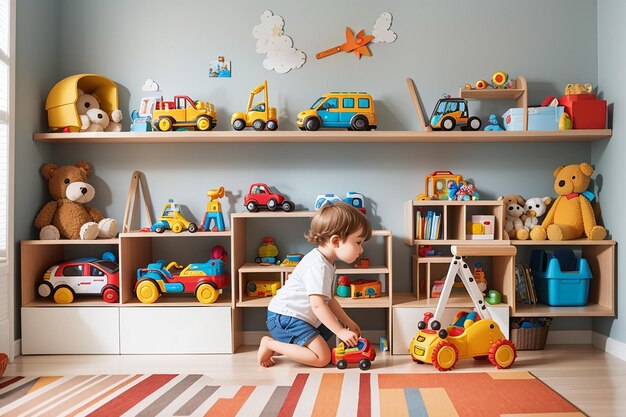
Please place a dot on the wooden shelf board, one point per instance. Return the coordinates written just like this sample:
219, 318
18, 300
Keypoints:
70, 242
325, 136
254, 267
433, 259
575, 242
281, 214
254, 301
460, 242
79, 301
379, 302
170, 300
473, 203
169, 233
542, 310
493, 94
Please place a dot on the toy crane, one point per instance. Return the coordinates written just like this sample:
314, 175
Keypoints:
471, 335
214, 211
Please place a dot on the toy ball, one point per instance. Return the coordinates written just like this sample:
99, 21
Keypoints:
481, 84
109, 256
499, 78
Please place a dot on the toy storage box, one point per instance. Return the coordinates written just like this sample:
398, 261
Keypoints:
530, 338
539, 118
585, 111
560, 278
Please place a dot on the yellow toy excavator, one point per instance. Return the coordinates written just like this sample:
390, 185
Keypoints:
258, 116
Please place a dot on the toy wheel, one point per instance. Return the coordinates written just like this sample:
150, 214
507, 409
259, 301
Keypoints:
359, 122
203, 123
165, 124
258, 124
207, 294
272, 125
445, 356
63, 295
342, 364
239, 124
252, 206
288, 206
448, 123
272, 204
502, 353
110, 295
499, 78
312, 123
44, 289
177, 228
193, 228
159, 229
474, 123
365, 364
147, 291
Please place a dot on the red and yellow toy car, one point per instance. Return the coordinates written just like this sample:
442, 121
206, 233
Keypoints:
363, 354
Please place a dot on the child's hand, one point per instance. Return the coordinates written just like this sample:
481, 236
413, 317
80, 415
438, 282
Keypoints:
348, 336
354, 327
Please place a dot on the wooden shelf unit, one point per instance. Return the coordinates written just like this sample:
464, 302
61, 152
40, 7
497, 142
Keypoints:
247, 270
324, 136
517, 92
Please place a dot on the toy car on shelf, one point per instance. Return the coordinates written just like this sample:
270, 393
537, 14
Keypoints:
363, 354
85, 276
261, 196
436, 185
350, 110
183, 112
205, 280
353, 198
172, 219
259, 116
451, 112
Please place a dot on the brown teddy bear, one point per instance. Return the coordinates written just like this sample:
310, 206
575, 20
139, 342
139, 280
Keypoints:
66, 215
513, 215
571, 215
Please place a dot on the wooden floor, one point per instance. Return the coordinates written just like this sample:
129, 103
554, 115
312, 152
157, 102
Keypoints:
593, 380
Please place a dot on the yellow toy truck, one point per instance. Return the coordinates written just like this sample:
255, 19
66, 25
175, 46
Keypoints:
183, 112
259, 116
471, 335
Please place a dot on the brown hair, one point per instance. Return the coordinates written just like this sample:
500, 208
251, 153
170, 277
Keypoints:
339, 219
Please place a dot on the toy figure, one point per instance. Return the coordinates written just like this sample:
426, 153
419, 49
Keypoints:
493, 125
214, 211
343, 286
268, 252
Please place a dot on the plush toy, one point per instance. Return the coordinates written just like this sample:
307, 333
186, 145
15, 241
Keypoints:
571, 215
578, 89
66, 215
93, 118
534, 208
513, 215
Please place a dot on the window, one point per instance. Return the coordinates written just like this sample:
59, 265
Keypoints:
364, 103
73, 271
348, 103
5, 65
95, 272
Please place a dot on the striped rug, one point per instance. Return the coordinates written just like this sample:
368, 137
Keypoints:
316, 394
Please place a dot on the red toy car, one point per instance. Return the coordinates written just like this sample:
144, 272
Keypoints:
363, 354
260, 195
89, 276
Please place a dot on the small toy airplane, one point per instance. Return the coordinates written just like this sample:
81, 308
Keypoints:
357, 44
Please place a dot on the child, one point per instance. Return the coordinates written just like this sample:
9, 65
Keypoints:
303, 314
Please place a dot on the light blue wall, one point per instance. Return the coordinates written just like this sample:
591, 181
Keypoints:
441, 44
608, 155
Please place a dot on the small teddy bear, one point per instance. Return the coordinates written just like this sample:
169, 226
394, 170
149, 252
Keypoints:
93, 118
534, 208
66, 215
513, 215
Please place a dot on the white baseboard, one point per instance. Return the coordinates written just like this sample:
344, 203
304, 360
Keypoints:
609, 345
254, 337
17, 348
569, 337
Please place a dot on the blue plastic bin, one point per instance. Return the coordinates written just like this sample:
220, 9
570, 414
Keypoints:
561, 279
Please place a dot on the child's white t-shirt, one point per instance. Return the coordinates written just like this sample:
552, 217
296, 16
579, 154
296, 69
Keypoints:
313, 275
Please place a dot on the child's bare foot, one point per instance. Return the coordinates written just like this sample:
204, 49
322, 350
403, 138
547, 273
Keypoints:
265, 353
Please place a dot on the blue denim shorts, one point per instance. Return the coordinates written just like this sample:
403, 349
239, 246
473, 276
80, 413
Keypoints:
293, 330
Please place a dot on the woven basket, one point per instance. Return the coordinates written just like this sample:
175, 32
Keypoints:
530, 339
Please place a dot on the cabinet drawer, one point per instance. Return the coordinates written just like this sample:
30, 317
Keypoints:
75, 330
178, 330
405, 321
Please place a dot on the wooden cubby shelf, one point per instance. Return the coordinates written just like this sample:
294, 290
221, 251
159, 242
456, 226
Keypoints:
324, 136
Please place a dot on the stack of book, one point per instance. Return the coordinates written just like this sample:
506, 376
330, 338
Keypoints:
525, 285
427, 225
